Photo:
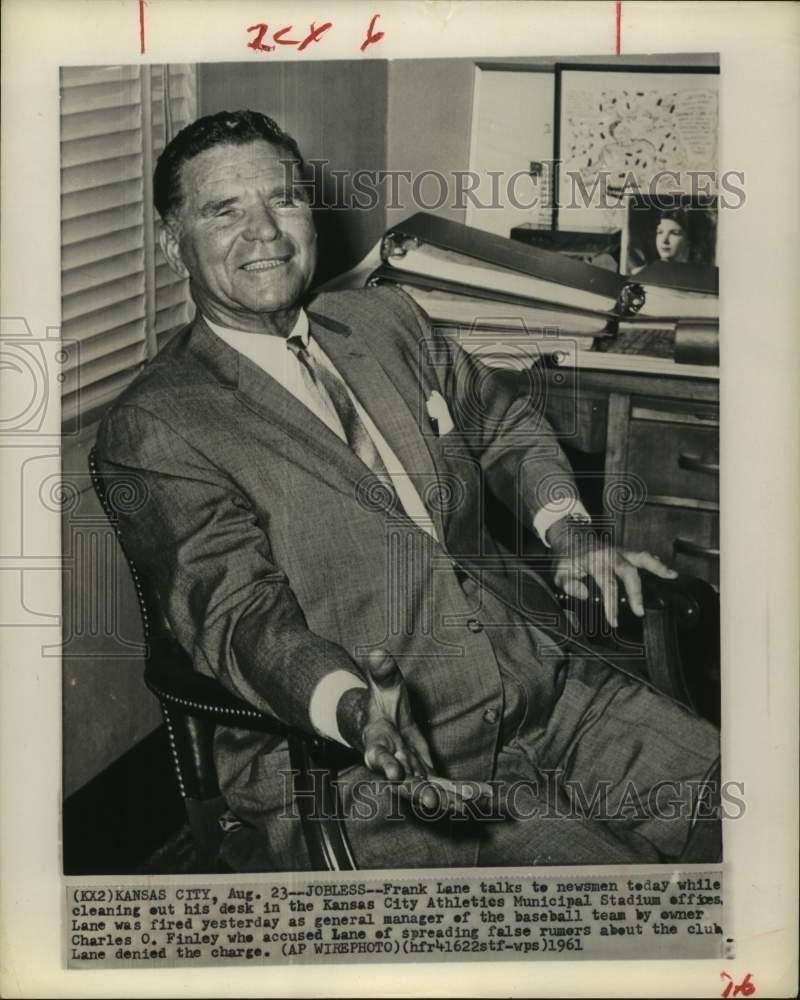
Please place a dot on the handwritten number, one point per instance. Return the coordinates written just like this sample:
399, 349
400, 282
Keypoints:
256, 42
371, 38
745, 988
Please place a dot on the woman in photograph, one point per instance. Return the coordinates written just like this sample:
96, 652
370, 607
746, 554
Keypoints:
672, 236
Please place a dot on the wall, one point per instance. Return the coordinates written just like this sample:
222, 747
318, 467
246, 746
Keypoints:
428, 121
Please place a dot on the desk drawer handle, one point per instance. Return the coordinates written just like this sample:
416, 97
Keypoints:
691, 463
687, 548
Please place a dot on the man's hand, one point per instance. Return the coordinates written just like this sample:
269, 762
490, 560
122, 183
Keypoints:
392, 742
379, 722
580, 554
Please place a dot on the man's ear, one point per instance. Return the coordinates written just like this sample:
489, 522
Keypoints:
170, 245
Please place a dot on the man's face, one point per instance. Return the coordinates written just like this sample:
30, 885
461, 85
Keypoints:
245, 236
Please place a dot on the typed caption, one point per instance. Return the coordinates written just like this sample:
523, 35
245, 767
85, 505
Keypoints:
382, 916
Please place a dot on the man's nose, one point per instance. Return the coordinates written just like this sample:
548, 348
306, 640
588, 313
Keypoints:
261, 224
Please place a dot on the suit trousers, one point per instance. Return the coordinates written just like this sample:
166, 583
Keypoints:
618, 773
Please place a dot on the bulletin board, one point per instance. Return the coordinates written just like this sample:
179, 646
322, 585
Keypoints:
618, 128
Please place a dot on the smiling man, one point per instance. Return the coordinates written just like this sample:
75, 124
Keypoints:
318, 544
240, 227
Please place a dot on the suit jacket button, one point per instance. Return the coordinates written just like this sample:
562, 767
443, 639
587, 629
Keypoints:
474, 625
490, 716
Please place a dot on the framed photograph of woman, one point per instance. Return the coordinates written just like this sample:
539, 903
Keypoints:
669, 228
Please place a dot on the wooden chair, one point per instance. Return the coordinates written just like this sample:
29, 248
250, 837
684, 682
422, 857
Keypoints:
679, 634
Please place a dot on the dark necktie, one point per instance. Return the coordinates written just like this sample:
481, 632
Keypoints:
334, 396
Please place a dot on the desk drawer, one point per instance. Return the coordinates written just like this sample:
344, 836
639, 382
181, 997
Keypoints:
675, 459
686, 539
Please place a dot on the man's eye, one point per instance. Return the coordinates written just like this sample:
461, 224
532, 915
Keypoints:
291, 199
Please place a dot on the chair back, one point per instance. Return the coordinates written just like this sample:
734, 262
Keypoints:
107, 487
169, 672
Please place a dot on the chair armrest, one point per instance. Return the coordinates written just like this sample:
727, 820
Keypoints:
679, 632
687, 597
193, 705
169, 674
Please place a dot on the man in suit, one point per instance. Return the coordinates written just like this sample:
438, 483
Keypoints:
313, 523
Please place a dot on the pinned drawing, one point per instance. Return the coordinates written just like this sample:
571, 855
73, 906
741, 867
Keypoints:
632, 133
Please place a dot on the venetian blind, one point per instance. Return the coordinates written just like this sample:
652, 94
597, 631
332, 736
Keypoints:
118, 296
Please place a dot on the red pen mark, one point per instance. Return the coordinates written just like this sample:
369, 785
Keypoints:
314, 35
619, 26
141, 26
278, 38
371, 39
256, 43
743, 989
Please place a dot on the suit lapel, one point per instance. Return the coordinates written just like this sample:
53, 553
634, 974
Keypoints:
305, 439
394, 413
301, 436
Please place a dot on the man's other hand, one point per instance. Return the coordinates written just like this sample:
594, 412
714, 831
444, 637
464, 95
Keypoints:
580, 554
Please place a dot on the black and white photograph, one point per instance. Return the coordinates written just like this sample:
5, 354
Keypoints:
673, 229
364, 553
390, 464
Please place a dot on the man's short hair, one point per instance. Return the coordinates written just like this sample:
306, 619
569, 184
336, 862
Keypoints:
233, 128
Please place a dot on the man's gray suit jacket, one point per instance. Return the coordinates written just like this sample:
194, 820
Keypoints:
276, 561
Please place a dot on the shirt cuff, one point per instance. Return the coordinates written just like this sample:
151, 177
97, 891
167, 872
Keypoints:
325, 699
547, 516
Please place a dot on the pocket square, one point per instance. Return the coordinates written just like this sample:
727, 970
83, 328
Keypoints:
439, 414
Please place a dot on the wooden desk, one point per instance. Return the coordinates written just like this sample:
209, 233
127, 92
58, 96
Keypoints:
654, 437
